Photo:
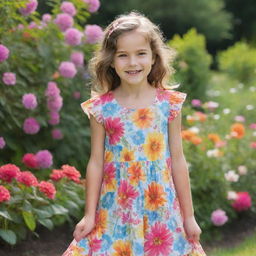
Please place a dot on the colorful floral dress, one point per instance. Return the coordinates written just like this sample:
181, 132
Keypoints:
138, 211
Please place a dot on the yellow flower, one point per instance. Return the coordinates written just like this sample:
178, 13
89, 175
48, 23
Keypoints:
101, 223
166, 175
108, 156
127, 155
122, 248
155, 196
136, 173
140, 230
154, 146
142, 118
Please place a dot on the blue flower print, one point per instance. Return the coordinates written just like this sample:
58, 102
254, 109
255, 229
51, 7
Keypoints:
109, 109
180, 244
152, 215
164, 107
120, 232
138, 137
108, 200
172, 224
106, 242
83, 243
138, 248
170, 195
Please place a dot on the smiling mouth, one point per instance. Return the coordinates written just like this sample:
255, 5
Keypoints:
134, 72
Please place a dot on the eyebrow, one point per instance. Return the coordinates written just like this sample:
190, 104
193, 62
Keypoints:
139, 50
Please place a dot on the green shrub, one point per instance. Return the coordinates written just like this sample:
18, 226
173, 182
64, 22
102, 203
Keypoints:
239, 61
35, 56
32, 202
192, 63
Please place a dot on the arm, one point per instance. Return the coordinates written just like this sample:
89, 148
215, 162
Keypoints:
179, 168
94, 173
94, 170
181, 179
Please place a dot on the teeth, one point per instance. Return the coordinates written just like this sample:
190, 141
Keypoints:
132, 72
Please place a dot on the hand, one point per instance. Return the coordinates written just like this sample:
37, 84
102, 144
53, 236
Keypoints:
192, 229
84, 226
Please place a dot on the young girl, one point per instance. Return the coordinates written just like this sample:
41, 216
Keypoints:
137, 183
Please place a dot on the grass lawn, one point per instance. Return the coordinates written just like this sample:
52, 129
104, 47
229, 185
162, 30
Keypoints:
246, 248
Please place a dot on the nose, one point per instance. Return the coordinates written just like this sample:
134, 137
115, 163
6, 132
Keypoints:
132, 60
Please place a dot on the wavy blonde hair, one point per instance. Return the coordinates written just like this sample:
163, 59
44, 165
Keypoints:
105, 78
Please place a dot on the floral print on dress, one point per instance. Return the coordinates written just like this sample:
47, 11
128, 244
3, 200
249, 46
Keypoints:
138, 213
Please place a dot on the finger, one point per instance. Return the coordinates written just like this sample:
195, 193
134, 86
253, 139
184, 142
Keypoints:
84, 233
77, 234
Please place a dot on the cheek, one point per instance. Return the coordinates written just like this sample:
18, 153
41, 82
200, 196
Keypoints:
119, 63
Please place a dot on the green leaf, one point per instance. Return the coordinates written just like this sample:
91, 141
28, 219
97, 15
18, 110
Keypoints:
16, 218
72, 205
29, 220
5, 214
8, 235
27, 207
47, 223
58, 209
43, 213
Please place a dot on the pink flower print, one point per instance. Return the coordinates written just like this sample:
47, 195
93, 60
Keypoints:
126, 217
159, 240
95, 244
107, 97
109, 177
126, 194
114, 129
162, 95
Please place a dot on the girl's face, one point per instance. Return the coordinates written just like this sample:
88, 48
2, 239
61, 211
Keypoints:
133, 59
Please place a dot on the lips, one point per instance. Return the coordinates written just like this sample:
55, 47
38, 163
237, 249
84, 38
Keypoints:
133, 72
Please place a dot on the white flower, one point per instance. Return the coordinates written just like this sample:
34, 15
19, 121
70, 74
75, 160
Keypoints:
216, 117
226, 111
232, 90
211, 104
242, 170
254, 134
189, 117
227, 137
232, 195
212, 153
231, 176
252, 89
194, 129
249, 107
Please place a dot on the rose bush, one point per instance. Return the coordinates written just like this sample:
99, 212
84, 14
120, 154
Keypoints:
26, 201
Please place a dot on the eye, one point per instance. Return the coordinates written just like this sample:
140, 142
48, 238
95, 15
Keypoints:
142, 53
122, 55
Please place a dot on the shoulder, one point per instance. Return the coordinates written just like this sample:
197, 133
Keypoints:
97, 100
172, 96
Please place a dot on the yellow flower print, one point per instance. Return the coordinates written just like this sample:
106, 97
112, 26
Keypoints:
126, 155
154, 196
166, 175
142, 118
122, 248
108, 156
154, 146
136, 173
101, 223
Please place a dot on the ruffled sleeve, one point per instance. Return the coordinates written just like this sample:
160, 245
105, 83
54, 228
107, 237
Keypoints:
176, 100
93, 107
